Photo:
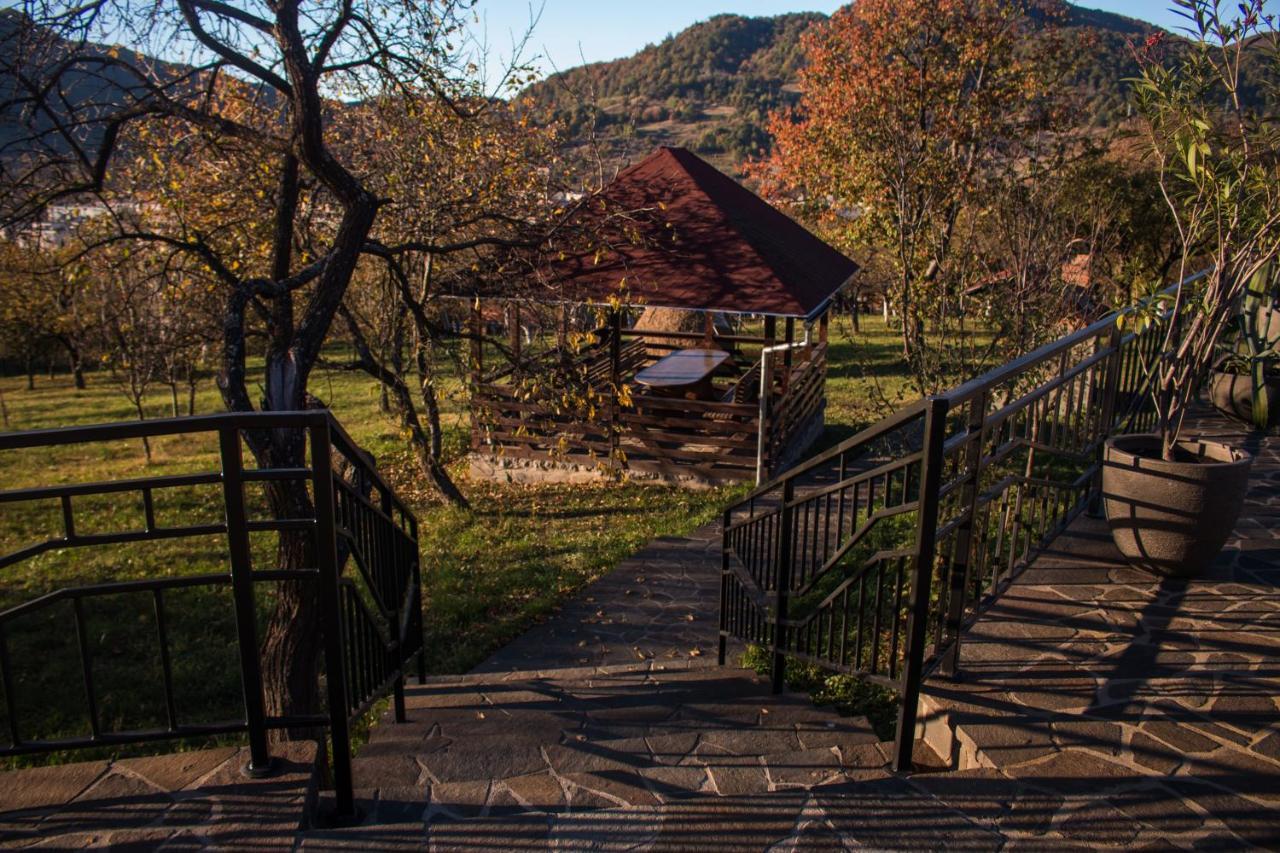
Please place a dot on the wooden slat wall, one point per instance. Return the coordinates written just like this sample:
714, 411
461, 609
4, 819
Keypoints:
805, 392
714, 441
708, 440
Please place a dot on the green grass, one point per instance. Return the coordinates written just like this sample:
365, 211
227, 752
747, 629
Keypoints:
489, 574
848, 695
866, 377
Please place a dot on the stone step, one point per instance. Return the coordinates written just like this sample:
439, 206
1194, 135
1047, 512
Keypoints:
180, 800
632, 738
615, 707
522, 762
758, 724
879, 812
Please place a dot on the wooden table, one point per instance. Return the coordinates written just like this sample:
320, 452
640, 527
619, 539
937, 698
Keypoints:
683, 372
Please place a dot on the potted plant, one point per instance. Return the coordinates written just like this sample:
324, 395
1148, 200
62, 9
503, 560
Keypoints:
1172, 499
1244, 383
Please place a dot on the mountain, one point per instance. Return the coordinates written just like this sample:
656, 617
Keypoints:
93, 89
710, 87
1104, 41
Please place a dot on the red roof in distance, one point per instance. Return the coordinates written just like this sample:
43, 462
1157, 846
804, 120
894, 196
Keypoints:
705, 243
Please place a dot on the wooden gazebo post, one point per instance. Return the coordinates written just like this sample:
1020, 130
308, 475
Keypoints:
615, 376
475, 322
787, 355
513, 333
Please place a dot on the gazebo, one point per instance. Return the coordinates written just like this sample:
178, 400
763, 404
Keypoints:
735, 391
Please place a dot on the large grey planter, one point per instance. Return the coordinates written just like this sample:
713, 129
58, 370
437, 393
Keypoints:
1172, 517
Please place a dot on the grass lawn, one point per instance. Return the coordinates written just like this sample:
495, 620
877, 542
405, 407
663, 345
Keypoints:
489, 573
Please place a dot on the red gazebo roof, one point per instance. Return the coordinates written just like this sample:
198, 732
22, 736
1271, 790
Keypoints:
685, 235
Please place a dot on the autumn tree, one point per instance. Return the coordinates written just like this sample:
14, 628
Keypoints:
133, 341
23, 319
469, 190
1131, 238
45, 306
909, 110
245, 104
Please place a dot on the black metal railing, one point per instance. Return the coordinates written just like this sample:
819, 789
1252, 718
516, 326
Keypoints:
870, 558
367, 585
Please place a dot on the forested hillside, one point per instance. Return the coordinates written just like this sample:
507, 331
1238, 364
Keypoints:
710, 87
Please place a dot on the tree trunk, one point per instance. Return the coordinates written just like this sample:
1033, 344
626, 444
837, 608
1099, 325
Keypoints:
142, 416
291, 644
431, 451
173, 394
77, 370
31, 373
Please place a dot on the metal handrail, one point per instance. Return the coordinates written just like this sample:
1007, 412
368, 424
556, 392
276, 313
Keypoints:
988, 477
377, 529
967, 390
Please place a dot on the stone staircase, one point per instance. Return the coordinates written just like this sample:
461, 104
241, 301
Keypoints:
616, 756
201, 799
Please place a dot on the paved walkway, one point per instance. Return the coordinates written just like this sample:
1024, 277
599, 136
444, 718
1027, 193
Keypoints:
1098, 707
662, 604
180, 801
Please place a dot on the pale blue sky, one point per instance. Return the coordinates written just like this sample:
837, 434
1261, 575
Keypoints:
568, 30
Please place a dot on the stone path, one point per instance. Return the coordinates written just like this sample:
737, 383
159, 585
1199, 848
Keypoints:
663, 756
184, 800
610, 727
661, 604
1098, 708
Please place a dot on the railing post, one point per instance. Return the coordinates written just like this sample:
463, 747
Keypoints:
762, 417
1110, 395
935, 427
966, 544
331, 619
255, 711
417, 601
783, 579
395, 552
724, 571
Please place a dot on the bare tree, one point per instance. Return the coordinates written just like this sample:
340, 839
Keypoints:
244, 106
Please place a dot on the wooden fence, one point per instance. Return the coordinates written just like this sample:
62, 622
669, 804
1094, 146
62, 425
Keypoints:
595, 416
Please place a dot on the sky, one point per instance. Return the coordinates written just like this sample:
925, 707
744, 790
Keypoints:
568, 31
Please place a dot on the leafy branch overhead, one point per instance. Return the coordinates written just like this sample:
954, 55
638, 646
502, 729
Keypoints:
226, 165
1214, 153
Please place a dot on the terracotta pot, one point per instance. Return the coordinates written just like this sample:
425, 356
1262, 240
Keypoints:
1232, 394
1172, 517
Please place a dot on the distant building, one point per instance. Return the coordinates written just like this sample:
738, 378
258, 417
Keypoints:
58, 223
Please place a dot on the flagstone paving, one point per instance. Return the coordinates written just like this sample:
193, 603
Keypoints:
1130, 708
1096, 707
184, 800
661, 604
